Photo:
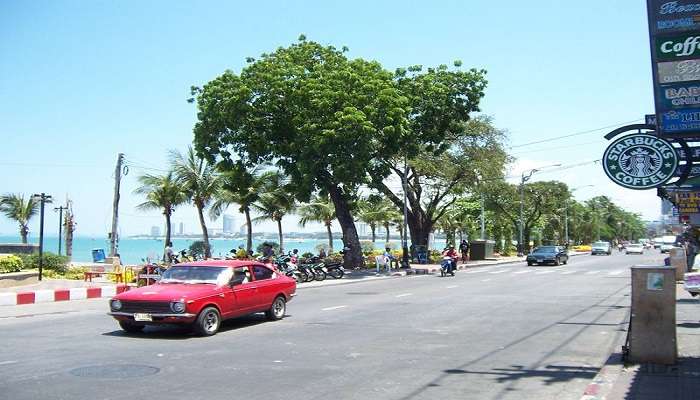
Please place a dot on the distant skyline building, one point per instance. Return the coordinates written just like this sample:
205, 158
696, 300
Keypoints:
155, 231
229, 224
181, 229
243, 229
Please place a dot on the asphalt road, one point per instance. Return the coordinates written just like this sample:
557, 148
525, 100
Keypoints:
500, 332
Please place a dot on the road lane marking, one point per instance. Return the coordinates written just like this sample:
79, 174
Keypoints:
569, 272
8, 362
404, 295
499, 271
551, 271
332, 308
523, 271
474, 271
617, 272
485, 280
592, 272
451, 286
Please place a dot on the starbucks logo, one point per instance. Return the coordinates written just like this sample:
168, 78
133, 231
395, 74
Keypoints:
640, 161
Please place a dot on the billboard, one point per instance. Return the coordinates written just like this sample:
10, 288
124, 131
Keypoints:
674, 37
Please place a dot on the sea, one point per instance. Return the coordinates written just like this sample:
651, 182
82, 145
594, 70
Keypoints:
137, 250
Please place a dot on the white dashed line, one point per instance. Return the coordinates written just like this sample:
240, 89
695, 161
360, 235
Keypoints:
551, 271
332, 308
592, 272
451, 287
485, 280
499, 271
404, 295
569, 272
8, 362
525, 271
474, 271
617, 272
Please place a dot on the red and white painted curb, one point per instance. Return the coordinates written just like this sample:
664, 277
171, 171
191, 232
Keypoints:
602, 384
51, 295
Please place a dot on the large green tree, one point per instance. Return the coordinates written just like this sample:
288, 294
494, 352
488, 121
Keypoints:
322, 118
16, 208
163, 192
200, 182
274, 202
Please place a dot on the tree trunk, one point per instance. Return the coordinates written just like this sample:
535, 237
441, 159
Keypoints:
279, 232
386, 226
24, 231
205, 234
68, 228
249, 229
167, 233
420, 232
373, 227
352, 251
330, 237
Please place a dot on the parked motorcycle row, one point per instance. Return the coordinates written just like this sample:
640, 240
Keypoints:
312, 269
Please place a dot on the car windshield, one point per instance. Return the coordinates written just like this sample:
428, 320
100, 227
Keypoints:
634, 245
185, 274
545, 250
600, 244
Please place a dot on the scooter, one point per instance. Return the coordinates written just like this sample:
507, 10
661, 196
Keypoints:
446, 267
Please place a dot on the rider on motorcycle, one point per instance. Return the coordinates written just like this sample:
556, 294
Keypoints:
450, 252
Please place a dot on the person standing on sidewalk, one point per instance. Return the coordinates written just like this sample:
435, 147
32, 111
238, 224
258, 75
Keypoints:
464, 249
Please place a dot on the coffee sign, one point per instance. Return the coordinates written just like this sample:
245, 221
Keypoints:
640, 161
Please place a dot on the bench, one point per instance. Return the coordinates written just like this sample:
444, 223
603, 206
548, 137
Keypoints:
100, 271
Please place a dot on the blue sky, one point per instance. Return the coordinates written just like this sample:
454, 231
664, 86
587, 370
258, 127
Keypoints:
81, 81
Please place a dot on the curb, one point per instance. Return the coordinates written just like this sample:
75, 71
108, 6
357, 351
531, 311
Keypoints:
601, 386
52, 295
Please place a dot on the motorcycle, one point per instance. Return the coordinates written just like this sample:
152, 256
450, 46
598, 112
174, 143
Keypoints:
285, 266
446, 266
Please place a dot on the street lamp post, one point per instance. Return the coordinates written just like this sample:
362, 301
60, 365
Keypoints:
43, 198
405, 259
526, 175
60, 225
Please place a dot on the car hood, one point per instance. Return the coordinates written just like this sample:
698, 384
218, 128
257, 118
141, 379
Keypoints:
169, 291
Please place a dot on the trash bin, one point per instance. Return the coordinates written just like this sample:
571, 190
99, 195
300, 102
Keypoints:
481, 249
98, 255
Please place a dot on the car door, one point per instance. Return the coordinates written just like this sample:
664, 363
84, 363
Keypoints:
242, 295
266, 286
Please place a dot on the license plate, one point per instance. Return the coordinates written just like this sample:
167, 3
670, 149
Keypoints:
142, 317
540, 260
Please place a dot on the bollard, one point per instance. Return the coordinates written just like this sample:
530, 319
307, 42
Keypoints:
679, 262
653, 319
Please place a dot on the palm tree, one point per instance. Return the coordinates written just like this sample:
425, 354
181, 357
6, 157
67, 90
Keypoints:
200, 182
372, 212
163, 192
16, 208
242, 187
274, 203
319, 210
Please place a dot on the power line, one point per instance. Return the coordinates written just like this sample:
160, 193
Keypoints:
576, 134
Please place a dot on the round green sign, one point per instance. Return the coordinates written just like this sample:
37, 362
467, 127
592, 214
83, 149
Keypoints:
640, 161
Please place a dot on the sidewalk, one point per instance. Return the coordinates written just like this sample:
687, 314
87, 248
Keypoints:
50, 290
655, 382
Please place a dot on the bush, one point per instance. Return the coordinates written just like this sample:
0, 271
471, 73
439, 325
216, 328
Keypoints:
307, 255
50, 261
367, 247
11, 263
197, 250
71, 273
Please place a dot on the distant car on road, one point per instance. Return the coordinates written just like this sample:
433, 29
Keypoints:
667, 243
601, 248
548, 254
634, 248
202, 294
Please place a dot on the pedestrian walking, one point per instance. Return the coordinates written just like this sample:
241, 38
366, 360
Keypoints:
464, 249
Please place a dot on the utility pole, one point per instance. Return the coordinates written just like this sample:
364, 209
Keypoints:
115, 206
483, 230
43, 198
404, 262
60, 225
524, 178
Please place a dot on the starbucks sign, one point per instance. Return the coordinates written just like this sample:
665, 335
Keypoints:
640, 161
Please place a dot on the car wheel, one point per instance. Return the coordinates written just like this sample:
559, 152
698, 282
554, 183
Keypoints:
566, 261
529, 264
557, 262
277, 309
208, 322
130, 327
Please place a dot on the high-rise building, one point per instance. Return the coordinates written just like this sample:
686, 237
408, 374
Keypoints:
181, 229
229, 223
155, 231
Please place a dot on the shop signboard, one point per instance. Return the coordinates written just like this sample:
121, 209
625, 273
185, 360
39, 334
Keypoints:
674, 36
640, 161
688, 202
678, 71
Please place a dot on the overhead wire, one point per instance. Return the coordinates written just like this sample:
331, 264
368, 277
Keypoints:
574, 134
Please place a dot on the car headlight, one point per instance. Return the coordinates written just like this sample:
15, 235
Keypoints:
116, 305
177, 306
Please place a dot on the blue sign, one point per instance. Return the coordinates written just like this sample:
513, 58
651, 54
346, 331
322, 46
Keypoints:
680, 121
680, 95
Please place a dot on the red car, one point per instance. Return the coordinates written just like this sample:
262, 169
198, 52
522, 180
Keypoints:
204, 293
